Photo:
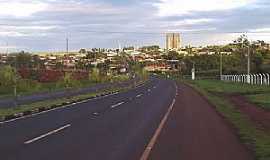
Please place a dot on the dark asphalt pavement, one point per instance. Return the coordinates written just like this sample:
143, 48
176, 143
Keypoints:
116, 127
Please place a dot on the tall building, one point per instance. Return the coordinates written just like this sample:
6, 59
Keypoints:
173, 41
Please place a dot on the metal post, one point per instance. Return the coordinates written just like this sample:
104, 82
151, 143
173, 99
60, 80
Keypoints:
193, 72
248, 65
67, 45
220, 69
15, 83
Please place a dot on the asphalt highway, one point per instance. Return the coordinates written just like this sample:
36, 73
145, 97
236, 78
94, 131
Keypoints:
115, 127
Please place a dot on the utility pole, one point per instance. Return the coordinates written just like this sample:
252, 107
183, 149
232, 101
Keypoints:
15, 83
67, 44
221, 65
7, 48
248, 66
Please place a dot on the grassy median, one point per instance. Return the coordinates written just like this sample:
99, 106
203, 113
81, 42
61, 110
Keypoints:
256, 139
48, 104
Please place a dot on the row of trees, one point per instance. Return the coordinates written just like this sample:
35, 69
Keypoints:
9, 78
234, 63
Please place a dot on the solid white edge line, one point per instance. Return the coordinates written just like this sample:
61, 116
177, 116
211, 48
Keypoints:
47, 134
152, 142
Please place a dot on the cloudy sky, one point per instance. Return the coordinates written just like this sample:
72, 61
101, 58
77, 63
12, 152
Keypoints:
43, 25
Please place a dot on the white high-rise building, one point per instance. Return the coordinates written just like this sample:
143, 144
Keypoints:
173, 41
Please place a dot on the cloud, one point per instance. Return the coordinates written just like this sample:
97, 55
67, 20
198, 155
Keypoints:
180, 7
260, 30
21, 9
45, 24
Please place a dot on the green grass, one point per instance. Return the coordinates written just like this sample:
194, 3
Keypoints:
46, 104
259, 95
262, 100
229, 87
251, 136
28, 87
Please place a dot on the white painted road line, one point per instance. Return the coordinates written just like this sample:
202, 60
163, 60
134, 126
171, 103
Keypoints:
139, 95
154, 87
149, 90
96, 113
118, 104
47, 134
153, 140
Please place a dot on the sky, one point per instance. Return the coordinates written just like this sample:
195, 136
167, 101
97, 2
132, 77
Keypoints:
44, 25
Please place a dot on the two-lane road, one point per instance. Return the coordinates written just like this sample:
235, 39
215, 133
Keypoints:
115, 127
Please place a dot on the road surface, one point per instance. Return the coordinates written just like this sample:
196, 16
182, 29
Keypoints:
117, 127
123, 126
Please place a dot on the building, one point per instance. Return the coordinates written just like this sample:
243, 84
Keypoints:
173, 41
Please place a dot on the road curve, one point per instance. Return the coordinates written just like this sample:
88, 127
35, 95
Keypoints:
117, 127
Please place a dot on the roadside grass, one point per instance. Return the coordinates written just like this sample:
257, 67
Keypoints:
47, 104
259, 95
257, 140
229, 87
28, 87
262, 100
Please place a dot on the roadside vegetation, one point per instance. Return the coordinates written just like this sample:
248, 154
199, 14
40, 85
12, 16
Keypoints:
48, 104
9, 78
255, 138
68, 81
258, 94
262, 100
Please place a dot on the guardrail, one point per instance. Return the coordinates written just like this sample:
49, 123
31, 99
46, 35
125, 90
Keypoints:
253, 79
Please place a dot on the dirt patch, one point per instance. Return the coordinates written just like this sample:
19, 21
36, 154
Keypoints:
259, 116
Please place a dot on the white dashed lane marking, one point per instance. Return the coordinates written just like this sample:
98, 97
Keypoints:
118, 104
47, 134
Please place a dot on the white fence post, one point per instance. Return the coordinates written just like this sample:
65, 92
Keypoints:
248, 79
253, 79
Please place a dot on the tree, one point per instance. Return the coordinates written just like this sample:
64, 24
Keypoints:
68, 81
94, 76
24, 60
82, 51
173, 55
7, 76
242, 41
